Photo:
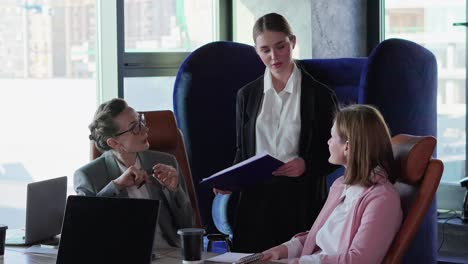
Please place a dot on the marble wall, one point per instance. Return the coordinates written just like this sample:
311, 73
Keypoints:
339, 28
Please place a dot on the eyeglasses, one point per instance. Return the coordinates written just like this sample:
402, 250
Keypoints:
136, 128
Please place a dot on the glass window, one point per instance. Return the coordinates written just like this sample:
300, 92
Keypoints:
158, 35
405, 20
47, 94
246, 12
149, 93
429, 23
168, 25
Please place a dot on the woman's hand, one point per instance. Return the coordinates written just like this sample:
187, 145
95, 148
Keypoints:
216, 191
275, 253
270, 255
132, 176
293, 168
166, 176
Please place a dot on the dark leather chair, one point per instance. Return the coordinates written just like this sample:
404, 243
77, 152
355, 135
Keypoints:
418, 178
164, 136
399, 77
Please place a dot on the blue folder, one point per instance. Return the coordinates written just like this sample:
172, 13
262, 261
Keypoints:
254, 170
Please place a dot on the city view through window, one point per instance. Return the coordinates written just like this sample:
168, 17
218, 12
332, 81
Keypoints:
48, 90
168, 25
163, 26
430, 23
47, 94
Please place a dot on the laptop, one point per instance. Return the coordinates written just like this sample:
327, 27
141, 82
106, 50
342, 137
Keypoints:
108, 230
45, 207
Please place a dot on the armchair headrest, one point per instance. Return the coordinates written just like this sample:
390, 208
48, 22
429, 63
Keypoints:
163, 131
412, 155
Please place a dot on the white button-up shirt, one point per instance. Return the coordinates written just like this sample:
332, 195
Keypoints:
143, 193
279, 121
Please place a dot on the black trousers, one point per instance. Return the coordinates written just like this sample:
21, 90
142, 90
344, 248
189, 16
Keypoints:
270, 214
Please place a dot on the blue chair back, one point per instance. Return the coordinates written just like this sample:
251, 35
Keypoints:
399, 77
205, 105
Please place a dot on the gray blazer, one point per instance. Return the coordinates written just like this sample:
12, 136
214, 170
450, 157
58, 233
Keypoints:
96, 179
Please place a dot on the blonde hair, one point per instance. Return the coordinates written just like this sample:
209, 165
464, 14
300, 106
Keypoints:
368, 137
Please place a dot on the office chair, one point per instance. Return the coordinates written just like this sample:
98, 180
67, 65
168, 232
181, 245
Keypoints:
219, 212
164, 136
204, 105
418, 179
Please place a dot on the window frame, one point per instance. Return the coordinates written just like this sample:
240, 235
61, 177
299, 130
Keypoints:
159, 64
106, 49
449, 195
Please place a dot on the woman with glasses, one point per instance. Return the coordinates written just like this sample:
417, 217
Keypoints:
127, 169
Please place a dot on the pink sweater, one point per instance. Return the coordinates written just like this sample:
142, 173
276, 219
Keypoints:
370, 227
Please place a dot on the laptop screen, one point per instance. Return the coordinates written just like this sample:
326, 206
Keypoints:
108, 230
45, 207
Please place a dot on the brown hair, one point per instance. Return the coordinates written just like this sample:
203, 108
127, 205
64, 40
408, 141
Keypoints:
103, 126
368, 136
271, 22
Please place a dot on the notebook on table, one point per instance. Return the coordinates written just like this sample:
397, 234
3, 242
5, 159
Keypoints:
45, 206
238, 258
108, 230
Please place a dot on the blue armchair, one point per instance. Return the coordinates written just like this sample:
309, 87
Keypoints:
399, 77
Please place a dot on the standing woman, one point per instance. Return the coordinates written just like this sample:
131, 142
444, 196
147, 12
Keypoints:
287, 113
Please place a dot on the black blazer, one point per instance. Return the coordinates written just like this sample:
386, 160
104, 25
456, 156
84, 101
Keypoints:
318, 105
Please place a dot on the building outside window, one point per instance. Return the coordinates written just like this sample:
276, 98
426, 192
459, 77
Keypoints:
47, 94
158, 35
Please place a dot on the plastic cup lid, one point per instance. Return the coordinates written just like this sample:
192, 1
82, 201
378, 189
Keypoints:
191, 231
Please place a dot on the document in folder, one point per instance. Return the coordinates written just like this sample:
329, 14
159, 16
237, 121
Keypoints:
248, 172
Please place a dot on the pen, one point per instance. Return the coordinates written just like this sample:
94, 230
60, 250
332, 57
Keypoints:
150, 172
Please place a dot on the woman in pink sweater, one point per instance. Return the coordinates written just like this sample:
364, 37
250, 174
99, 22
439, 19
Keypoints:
362, 213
